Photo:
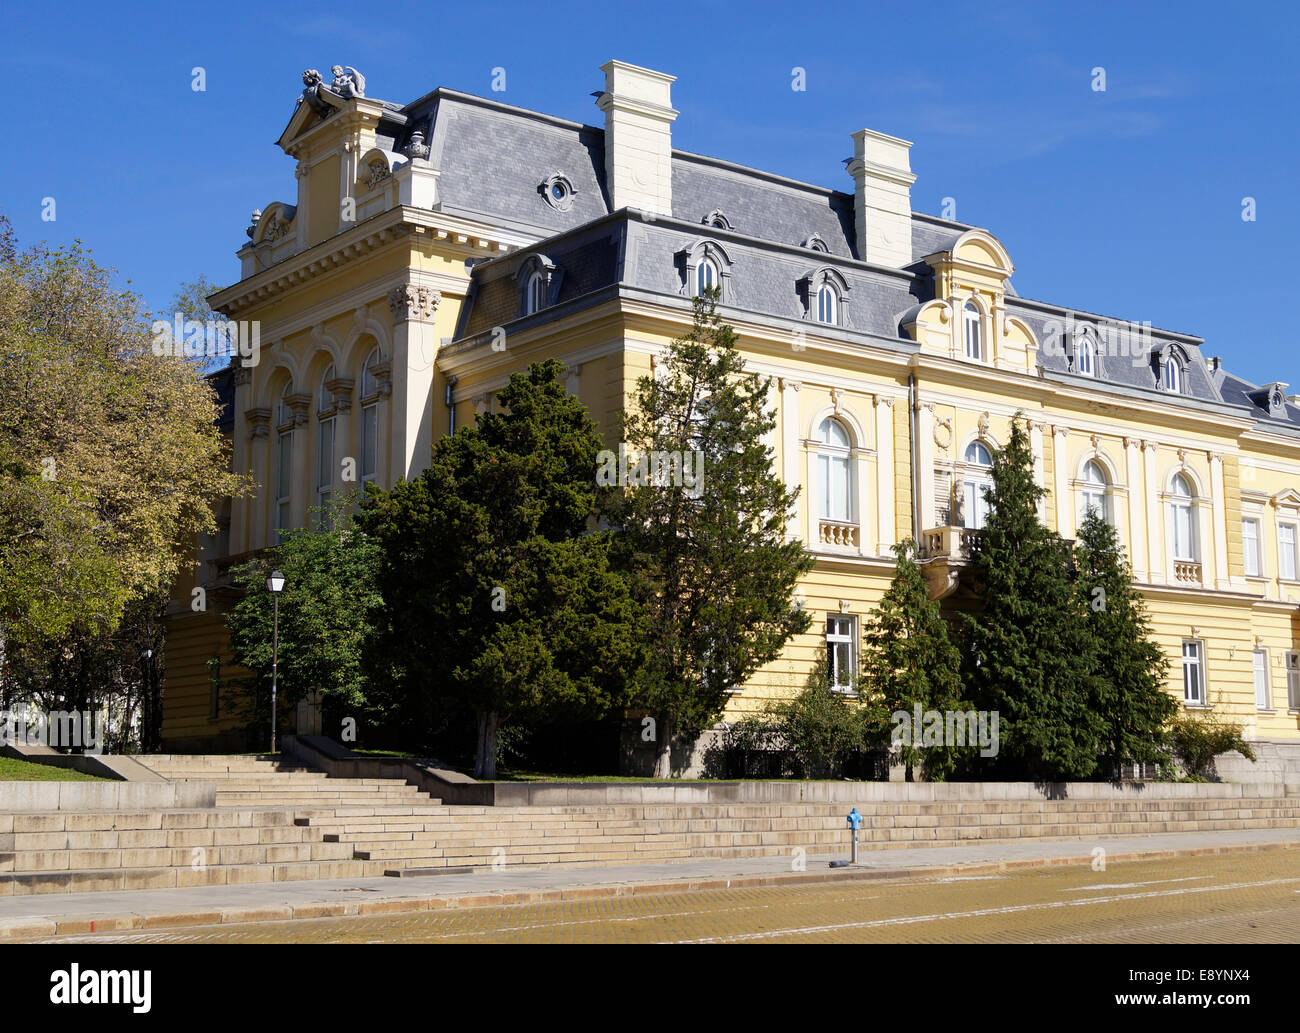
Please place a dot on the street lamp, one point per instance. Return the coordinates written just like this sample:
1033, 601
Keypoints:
275, 583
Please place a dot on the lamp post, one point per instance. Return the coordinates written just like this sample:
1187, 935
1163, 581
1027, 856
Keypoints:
275, 583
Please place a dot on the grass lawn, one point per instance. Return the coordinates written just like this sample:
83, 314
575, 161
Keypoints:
24, 771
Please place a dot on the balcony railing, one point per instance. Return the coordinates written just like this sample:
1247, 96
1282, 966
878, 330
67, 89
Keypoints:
947, 541
838, 533
1187, 572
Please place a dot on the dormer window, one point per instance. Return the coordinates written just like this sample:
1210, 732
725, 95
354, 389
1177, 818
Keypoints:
816, 243
717, 220
1173, 375
973, 331
536, 295
827, 305
538, 280
1086, 355
706, 277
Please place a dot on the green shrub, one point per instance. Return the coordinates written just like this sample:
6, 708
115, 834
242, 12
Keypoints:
1198, 740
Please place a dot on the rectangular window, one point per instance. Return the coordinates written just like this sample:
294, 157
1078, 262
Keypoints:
1184, 533
1260, 660
1286, 552
1250, 546
369, 432
283, 482
1193, 671
325, 472
1293, 679
840, 652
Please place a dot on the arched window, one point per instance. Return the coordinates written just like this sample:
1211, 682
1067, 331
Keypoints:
284, 412
1093, 493
973, 331
1173, 375
834, 471
536, 294
326, 396
369, 417
706, 276
284, 464
978, 478
1087, 356
1182, 517
828, 307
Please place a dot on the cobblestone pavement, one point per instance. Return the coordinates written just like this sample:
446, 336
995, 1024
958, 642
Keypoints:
1241, 898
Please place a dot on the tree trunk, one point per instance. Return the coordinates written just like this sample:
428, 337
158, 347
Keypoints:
664, 751
485, 760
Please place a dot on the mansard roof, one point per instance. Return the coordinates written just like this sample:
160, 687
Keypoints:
493, 158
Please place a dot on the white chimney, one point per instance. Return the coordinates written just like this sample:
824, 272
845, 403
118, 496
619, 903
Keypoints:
882, 177
638, 137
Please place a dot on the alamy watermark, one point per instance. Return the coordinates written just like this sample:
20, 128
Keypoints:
59, 729
185, 338
651, 469
947, 728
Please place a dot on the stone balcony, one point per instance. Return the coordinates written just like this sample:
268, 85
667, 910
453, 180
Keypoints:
942, 552
837, 533
1187, 572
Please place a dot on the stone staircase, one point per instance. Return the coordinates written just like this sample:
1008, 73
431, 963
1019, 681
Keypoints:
627, 834
274, 821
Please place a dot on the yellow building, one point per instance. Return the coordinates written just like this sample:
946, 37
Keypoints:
434, 248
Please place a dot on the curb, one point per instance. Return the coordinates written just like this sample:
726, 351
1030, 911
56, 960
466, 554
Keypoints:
27, 928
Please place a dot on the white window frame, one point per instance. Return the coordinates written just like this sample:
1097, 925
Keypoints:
535, 293
975, 509
1264, 691
1287, 571
325, 467
828, 305
1184, 506
972, 331
830, 458
1194, 672
1094, 494
1087, 355
283, 483
839, 636
1293, 680
1253, 539
1173, 379
707, 266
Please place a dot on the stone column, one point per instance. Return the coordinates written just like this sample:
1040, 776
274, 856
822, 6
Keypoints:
1061, 482
1156, 560
241, 458
1137, 507
1036, 428
886, 533
1220, 522
301, 480
345, 447
791, 451
414, 352
924, 460
253, 526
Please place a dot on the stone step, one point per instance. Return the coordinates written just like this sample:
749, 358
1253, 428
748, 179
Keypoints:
96, 880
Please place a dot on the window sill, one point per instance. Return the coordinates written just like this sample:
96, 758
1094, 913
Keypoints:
1197, 706
1265, 710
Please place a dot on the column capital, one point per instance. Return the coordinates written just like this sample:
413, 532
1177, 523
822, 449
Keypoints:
789, 385
413, 302
887, 400
259, 422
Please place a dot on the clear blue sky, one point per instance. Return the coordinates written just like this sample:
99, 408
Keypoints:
1126, 202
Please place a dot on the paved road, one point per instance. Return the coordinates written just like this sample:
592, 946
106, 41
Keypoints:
1234, 898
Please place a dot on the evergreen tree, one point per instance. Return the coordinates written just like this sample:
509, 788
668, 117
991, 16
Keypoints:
703, 542
1133, 706
909, 660
497, 598
1029, 653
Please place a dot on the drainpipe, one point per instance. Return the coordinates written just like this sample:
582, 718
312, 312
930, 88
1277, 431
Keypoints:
451, 409
911, 432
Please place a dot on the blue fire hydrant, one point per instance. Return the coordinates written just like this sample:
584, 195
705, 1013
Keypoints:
854, 820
